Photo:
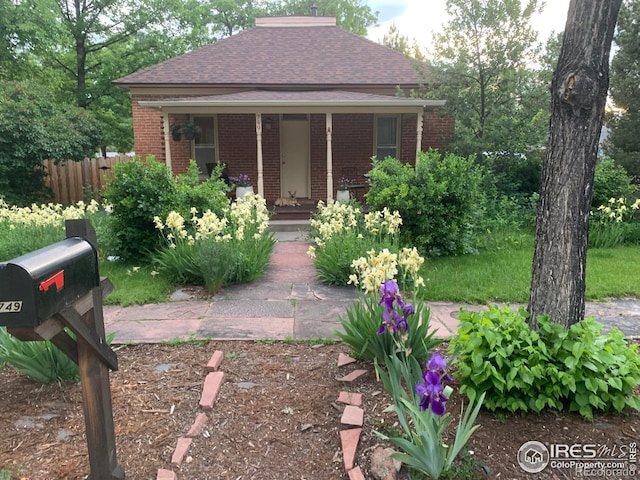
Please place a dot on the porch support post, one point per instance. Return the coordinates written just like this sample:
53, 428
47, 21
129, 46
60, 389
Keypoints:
167, 141
259, 145
420, 123
329, 125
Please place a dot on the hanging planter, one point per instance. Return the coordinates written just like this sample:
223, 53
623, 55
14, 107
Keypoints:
189, 130
176, 132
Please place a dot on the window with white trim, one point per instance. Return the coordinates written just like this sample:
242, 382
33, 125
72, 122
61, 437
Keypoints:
204, 144
387, 133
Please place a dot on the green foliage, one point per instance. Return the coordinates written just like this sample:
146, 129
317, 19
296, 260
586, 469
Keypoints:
611, 181
352, 15
40, 361
343, 235
135, 285
422, 444
480, 67
623, 144
231, 263
211, 194
34, 128
217, 251
363, 321
138, 191
438, 200
614, 224
26, 238
523, 370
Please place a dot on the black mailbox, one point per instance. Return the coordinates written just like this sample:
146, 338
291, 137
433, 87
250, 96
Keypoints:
35, 286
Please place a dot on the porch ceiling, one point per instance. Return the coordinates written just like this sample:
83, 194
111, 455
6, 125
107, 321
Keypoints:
315, 101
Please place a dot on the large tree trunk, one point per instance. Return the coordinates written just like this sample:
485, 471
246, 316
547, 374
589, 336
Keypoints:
579, 92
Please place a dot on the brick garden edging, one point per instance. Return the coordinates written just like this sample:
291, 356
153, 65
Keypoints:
351, 420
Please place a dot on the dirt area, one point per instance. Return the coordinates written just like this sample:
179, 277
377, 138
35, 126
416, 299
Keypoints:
276, 417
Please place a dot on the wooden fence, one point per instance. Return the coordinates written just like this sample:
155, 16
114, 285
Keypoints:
74, 181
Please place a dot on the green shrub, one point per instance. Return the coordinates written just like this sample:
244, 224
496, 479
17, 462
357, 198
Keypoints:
137, 192
438, 200
611, 181
514, 175
192, 194
363, 321
40, 361
525, 370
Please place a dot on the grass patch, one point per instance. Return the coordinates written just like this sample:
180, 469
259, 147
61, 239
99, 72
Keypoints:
613, 272
505, 275
135, 285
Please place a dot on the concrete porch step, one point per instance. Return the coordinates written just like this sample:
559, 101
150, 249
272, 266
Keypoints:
289, 225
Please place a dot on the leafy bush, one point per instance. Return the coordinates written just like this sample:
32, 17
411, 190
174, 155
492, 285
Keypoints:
611, 181
137, 192
34, 128
437, 200
191, 193
140, 191
514, 175
521, 369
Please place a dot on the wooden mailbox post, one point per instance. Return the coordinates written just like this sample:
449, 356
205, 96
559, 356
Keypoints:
55, 288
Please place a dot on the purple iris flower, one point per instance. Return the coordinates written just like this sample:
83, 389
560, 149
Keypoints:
392, 320
431, 391
436, 363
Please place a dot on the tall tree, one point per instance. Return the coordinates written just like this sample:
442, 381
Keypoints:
623, 144
394, 39
481, 66
578, 92
353, 15
34, 128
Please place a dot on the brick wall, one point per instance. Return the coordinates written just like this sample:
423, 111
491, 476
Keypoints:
147, 129
352, 142
438, 129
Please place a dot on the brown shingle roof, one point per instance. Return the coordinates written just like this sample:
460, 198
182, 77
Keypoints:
318, 55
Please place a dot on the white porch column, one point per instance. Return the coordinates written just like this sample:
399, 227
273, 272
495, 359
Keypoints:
419, 134
329, 124
259, 145
167, 140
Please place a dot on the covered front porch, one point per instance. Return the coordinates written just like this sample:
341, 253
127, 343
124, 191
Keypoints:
294, 142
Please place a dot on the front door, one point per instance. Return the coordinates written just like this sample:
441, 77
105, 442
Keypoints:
294, 155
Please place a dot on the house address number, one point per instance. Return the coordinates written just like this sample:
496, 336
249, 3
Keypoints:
10, 307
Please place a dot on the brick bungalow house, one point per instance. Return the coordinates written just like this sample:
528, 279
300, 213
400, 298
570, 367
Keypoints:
296, 103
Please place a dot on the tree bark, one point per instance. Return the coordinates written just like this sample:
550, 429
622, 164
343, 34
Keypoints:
579, 92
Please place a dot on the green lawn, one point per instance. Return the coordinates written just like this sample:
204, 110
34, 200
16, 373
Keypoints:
505, 276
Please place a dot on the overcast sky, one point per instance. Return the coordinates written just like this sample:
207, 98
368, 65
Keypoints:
419, 19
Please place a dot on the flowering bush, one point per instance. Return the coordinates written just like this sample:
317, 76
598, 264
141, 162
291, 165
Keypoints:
26, 229
350, 248
613, 224
217, 251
